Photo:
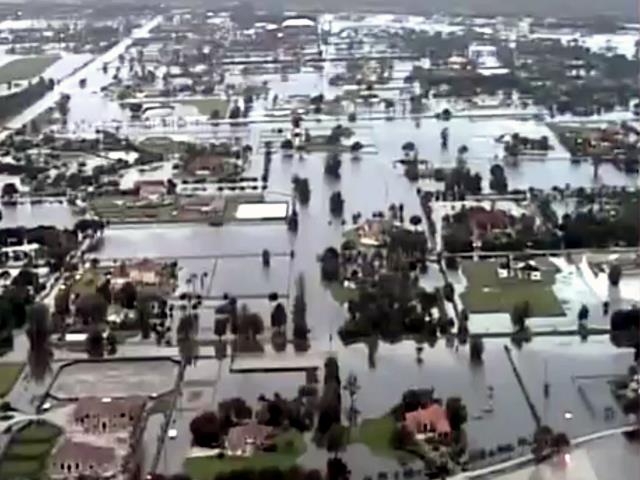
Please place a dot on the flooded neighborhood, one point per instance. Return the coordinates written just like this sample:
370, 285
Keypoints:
245, 241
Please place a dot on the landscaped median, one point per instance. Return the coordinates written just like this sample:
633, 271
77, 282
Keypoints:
27, 454
9, 374
290, 446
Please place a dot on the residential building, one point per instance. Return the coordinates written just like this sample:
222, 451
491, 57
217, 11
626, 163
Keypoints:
150, 189
244, 440
145, 272
487, 221
429, 423
102, 439
524, 270
108, 415
74, 458
17, 256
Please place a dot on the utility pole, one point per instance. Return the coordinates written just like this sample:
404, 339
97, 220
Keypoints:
546, 386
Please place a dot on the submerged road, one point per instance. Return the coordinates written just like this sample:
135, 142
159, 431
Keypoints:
72, 81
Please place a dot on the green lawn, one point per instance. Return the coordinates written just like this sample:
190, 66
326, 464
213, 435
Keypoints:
486, 293
341, 294
13, 469
291, 446
88, 282
9, 374
28, 451
26, 68
207, 105
376, 434
37, 432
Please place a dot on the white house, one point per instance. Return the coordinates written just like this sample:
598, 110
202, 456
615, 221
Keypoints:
527, 270
17, 256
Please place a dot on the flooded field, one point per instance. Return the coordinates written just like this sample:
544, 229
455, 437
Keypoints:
117, 379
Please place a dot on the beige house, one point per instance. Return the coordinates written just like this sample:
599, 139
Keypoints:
108, 415
102, 439
144, 272
73, 458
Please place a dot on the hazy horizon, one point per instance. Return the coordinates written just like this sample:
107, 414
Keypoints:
625, 9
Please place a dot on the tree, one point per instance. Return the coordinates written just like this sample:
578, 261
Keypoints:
38, 325
127, 295
336, 204
560, 441
9, 190
519, 315
186, 332
332, 165
352, 387
476, 349
95, 343
39, 360
583, 313
205, 430
278, 316
302, 190
448, 292
336, 439
408, 148
38, 331
498, 181
250, 324
91, 308
143, 318
112, 343
220, 326
300, 328
330, 265
266, 258
451, 262
402, 438
615, 274
415, 220
456, 412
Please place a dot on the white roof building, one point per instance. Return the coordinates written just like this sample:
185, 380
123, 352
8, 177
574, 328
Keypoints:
298, 23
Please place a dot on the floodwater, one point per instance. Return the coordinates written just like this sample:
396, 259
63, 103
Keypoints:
369, 183
46, 214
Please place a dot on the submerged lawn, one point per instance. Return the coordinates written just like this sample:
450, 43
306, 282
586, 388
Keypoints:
486, 293
291, 446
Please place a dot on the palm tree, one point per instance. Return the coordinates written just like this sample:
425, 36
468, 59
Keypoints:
39, 361
186, 334
352, 387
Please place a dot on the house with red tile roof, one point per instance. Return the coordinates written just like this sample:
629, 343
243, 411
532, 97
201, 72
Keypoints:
484, 220
429, 422
244, 440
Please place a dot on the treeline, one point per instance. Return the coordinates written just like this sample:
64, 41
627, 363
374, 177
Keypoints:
14, 103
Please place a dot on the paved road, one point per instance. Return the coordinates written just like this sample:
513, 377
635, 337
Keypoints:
50, 99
